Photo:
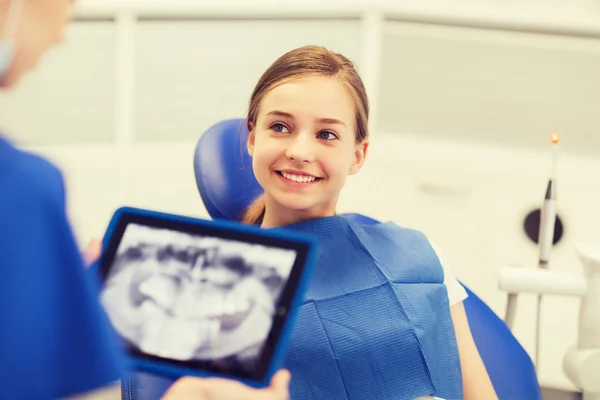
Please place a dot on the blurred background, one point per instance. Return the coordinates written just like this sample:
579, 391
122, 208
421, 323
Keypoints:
464, 95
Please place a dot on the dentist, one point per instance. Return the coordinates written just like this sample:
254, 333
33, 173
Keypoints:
55, 340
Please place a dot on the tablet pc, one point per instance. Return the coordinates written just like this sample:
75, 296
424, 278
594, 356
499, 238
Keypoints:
188, 296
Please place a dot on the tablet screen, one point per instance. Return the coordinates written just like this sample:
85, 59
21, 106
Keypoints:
198, 297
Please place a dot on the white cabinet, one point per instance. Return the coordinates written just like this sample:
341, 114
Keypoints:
490, 86
192, 74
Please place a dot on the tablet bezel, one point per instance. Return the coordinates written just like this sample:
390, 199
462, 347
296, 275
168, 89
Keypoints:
290, 298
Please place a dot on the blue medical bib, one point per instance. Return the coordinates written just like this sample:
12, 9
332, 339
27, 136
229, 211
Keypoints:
375, 322
55, 340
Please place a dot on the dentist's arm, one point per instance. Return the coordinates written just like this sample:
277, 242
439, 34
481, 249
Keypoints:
191, 388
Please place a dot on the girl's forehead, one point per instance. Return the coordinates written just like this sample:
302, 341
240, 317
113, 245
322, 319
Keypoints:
315, 96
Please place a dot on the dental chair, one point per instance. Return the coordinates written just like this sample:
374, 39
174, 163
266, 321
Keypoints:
227, 186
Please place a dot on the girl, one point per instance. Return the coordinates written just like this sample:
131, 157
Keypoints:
382, 318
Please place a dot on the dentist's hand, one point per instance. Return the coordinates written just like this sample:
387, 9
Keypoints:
92, 252
192, 388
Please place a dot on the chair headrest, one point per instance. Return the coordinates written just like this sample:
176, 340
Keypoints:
223, 170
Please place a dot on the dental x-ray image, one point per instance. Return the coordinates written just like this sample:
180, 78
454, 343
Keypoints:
201, 301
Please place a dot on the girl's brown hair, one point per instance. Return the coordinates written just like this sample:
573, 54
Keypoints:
299, 63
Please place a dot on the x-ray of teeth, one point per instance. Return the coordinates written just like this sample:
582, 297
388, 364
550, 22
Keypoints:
195, 299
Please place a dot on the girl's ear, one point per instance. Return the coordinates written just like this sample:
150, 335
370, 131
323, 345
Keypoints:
360, 153
250, 142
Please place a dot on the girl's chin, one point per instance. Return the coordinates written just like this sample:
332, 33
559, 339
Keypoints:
298, 204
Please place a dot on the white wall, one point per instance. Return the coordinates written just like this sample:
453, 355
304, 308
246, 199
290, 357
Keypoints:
462, 116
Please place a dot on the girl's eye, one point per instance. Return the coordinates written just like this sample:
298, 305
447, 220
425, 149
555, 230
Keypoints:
277, 127
326, 135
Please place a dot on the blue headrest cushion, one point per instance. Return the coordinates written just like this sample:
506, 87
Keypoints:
223, 170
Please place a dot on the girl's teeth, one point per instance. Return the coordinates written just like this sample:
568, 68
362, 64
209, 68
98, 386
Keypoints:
298, 178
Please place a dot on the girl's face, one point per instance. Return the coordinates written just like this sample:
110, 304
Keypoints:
41, 25
304, 146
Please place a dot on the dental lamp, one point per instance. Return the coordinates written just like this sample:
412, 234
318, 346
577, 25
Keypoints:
582, 361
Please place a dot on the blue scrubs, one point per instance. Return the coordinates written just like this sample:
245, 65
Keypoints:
55, 340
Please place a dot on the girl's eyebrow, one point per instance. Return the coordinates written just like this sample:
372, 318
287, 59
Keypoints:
320, 120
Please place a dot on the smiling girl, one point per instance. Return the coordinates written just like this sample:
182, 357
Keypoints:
383, 318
